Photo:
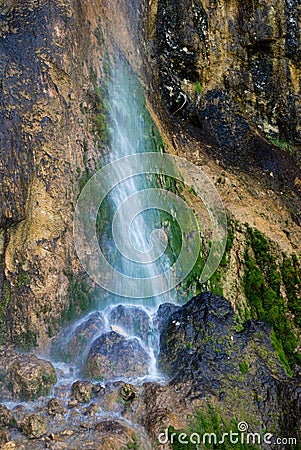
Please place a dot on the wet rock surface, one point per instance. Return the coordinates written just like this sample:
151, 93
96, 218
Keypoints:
106, 357
33, 426
43, 79
205, 351
82, 391
78, 342
55, 407
163, 314
218, 74
133, 320
25, 376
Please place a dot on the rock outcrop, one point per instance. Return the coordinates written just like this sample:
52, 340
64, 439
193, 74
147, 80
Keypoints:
25, 377
209, 355
51, 59
234, 68
106, 359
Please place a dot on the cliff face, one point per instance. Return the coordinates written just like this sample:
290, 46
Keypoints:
50, 55
222, 80
243, 57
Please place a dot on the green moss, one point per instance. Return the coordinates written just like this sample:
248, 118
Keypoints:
99, 35
134, 444
48, 378
279, 349
205, 423
281, 143
27, 340
98, 108
51, 331
198, 87
215, 282
23, 279
6, 293
291, 276
4, 303
262, 281
243, 367
229, 243
82, 299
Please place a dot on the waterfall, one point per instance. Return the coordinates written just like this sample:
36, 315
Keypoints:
130, 133
132, 239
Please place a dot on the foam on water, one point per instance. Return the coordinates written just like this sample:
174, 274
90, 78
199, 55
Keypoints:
130, 133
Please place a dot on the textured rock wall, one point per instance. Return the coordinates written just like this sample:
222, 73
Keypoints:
229, 75
49, 51
251, 50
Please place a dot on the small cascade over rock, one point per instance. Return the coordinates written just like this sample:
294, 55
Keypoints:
121, 339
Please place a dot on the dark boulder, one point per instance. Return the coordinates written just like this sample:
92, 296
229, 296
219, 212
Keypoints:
163, 314
133, 320
113, 355
204, 348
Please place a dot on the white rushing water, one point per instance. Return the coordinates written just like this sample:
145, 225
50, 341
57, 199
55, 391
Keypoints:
131, 131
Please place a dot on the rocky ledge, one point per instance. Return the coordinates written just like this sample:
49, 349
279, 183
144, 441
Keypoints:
221, 372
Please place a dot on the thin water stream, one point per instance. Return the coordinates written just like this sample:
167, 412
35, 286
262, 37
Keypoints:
131, 131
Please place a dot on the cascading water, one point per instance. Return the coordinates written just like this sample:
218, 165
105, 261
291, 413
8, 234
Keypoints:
131, 131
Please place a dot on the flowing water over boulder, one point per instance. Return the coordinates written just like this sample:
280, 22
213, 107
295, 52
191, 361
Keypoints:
112, 355
83, 334
163, 314
134, 320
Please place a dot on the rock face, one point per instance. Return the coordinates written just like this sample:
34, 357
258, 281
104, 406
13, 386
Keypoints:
231, 65
203, 348
106, 359
163, 314
133, 320
25, 376
48, 102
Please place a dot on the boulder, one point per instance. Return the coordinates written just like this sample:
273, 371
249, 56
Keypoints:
208, 354
133, 320
26, 376
33, 426
6, 416
4, 436
128, 392
82, 391
83, 334
54, 407
113, 355
114, 435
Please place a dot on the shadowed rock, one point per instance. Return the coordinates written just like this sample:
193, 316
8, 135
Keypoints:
112, 355
132, 319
